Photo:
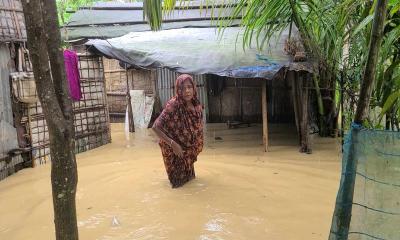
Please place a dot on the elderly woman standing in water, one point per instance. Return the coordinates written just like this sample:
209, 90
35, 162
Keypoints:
180, 129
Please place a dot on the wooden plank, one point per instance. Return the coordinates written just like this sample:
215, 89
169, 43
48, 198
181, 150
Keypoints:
264, 114
114, 71
116, 93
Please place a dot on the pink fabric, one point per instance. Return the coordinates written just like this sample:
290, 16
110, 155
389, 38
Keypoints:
72, 71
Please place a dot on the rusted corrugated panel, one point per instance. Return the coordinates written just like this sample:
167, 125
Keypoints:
166, 86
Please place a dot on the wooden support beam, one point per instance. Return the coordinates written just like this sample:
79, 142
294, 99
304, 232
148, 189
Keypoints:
131, 122
300, 82
264, 114
305, 140
292, 77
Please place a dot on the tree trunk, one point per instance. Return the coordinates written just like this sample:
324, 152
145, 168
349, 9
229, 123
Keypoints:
300, 85
131, 121
57, 109
53, 40
344, 201
370, 69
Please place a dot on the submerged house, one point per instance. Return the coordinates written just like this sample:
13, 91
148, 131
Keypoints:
105, 20
234, 85
24, 139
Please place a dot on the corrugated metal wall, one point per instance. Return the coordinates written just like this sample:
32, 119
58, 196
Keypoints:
8, 134
5, 97
166, 86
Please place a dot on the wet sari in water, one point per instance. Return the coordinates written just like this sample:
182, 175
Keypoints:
185, 127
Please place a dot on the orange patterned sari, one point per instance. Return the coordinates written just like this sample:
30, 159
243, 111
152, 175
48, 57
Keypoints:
185, 127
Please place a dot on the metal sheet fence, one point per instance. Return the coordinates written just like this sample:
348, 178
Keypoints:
166, 86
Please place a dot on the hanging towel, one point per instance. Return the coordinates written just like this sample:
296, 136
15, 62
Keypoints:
71, 69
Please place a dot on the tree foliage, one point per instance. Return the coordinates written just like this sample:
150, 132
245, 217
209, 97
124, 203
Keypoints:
66, 7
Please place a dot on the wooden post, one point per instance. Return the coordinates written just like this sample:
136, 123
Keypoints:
292, 79
264, 114
131, 122
305, 143
29, 130
300, 105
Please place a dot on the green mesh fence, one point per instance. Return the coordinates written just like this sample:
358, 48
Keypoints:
371, 160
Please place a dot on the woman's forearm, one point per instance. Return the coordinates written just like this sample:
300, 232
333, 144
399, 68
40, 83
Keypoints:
162, 135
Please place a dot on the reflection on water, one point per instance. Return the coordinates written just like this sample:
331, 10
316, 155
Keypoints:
240, 192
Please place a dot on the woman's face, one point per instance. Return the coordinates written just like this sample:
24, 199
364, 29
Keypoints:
187, 91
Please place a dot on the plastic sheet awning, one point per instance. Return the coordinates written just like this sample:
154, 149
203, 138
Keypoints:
197, 51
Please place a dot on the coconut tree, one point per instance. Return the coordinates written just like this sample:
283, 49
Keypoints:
384, 101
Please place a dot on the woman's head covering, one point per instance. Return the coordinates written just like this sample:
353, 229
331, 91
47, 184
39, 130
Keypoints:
180, 123
179, 85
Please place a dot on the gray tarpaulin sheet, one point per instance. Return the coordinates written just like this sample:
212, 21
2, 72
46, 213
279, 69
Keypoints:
197, 51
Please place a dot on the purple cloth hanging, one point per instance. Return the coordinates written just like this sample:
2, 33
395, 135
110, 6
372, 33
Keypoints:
72, 71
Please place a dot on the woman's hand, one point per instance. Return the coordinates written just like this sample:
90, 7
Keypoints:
177, 149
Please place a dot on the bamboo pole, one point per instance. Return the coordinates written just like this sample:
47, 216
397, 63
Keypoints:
265, 114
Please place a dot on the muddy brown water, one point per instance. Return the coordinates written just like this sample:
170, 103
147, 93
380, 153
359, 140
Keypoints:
240, 192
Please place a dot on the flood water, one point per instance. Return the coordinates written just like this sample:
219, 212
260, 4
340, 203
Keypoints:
239, 192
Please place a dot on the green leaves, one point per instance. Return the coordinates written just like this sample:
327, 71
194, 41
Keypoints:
153, 13
64, 5
395, 4
391, 100
363, 24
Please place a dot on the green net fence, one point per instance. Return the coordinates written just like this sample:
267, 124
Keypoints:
371, 160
